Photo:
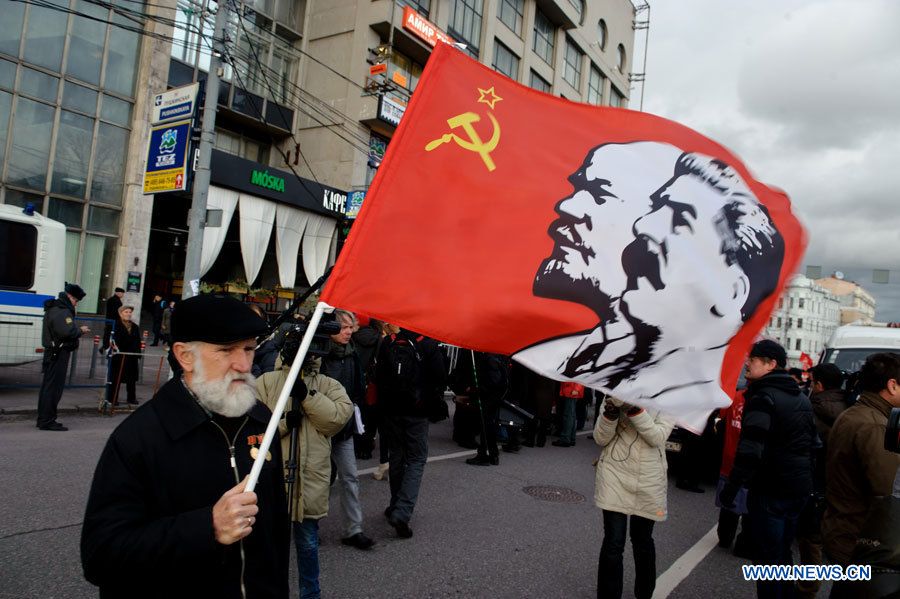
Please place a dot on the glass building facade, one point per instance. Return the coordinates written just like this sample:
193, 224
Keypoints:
67, 85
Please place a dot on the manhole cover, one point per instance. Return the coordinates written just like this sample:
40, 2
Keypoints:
551, 493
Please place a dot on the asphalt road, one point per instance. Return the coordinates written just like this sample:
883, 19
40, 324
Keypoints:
476, 532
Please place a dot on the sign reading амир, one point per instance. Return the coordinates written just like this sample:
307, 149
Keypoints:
175, 104
166, 167
423, 28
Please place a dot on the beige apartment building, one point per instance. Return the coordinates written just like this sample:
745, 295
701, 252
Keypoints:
857, 304
580, 50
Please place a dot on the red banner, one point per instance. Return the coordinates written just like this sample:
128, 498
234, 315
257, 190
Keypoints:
608, 247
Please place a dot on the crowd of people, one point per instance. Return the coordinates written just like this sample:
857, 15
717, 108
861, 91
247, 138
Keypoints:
169, 490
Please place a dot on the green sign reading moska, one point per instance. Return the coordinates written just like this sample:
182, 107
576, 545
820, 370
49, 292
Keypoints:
265, 180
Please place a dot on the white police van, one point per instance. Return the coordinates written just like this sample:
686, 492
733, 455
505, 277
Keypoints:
851, 344
32, 270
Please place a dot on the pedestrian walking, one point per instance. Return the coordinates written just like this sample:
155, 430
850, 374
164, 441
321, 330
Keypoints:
343, 365
828, 401
569, 395
774, 460
630, 488
165, 328
159, 305
410, 373
731, 517
167, 510
59, 336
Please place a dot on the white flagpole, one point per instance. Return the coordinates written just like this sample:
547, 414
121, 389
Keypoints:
293, 373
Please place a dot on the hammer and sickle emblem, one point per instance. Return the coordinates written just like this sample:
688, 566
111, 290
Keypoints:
473, 143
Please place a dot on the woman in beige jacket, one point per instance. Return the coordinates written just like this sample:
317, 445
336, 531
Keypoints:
631, 481
324, 411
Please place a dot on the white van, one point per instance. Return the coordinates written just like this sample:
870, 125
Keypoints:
851, 344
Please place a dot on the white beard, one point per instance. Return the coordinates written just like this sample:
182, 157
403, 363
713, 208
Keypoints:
219, 397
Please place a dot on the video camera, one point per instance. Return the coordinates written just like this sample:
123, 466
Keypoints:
317, 347
892, 433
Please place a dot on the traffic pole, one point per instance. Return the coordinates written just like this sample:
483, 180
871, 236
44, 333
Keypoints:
197, 220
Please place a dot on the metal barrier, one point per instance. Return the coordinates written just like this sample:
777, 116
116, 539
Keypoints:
88, 367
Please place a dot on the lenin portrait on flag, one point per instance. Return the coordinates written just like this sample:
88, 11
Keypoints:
664, 246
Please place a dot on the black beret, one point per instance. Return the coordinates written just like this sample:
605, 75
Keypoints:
119, 290
75, 291
771, 350
215, 319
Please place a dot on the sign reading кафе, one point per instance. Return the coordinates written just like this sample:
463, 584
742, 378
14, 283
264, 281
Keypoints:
283, 187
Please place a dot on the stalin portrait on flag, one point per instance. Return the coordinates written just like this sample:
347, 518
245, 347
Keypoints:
598, 245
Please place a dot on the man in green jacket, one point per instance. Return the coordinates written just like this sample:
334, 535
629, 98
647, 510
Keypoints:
858, 468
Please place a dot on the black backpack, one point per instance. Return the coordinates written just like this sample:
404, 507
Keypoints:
402, 373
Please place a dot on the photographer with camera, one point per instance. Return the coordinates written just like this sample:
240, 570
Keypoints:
320, 409
859, 469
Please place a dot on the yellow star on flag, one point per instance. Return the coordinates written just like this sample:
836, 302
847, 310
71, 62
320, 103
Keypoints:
488, 97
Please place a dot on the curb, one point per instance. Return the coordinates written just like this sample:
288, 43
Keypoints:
33, 411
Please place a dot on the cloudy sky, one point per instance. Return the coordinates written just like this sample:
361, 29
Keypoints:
807, 93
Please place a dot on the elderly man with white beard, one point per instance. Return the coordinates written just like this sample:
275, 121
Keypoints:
167, 512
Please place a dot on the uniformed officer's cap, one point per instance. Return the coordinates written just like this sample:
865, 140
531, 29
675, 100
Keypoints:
215, 319
75, 291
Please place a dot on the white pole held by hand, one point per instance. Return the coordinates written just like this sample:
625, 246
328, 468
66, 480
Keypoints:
293, 373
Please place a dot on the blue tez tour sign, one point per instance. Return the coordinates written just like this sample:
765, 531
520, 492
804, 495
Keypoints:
167, 158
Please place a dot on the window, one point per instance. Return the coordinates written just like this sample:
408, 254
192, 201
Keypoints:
620, 59
505, 61
19, 240
790, 322
109, 165
420, 6
800, 323
797, 346
572, 67
779, 322
73, 151
802, 302
465, 24
11, 27
510, 13
539, 83
30, 149
86, 43
595, 86
791, 303
5, 108
66, 212
44, 36
602, 34
405, 67
544, 33
578, 5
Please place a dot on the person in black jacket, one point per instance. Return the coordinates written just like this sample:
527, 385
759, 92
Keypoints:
342, 364
167, 509
59, 337
404, 397
774, 459
124, 367
112, 315
484, 379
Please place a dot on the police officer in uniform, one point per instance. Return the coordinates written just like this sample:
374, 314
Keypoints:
59, 338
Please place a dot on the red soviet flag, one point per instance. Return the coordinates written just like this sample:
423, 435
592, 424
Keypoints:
607, 247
